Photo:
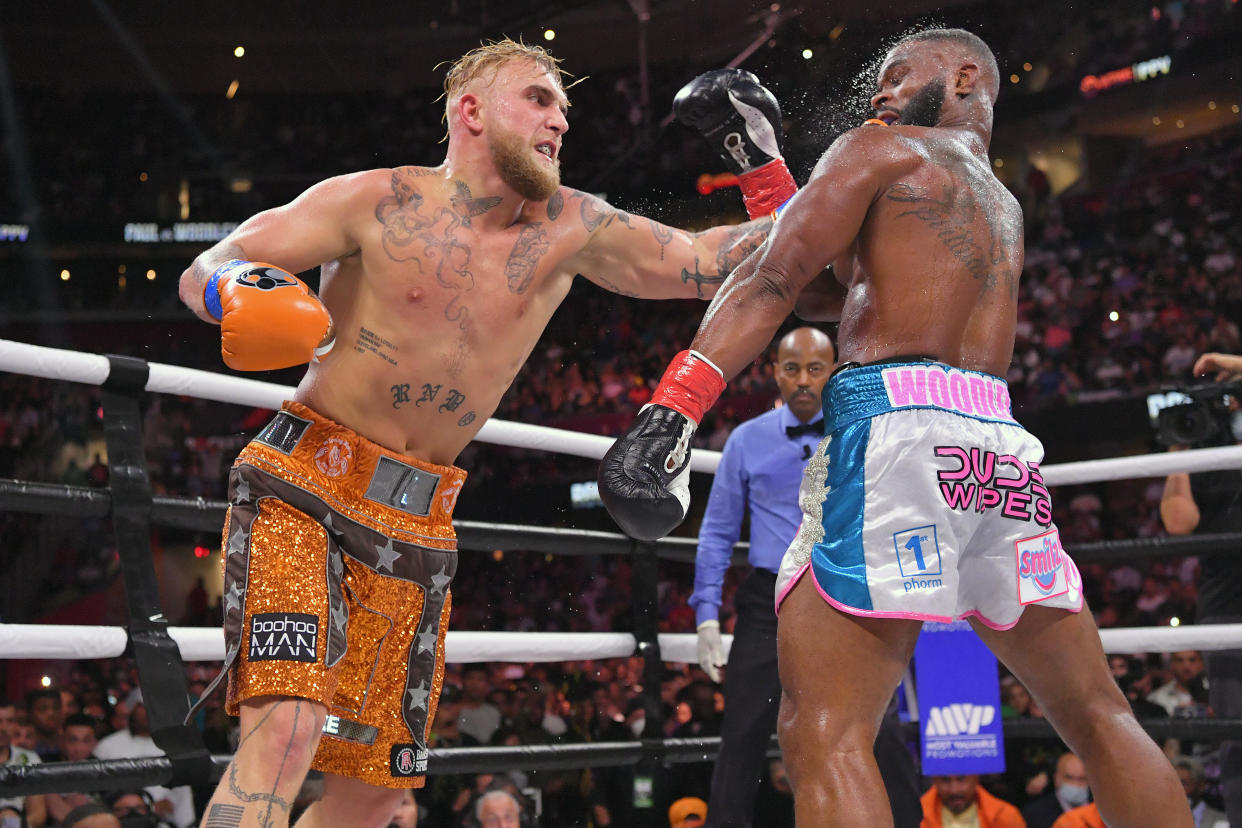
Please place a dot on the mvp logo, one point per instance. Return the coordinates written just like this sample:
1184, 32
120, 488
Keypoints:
959, 719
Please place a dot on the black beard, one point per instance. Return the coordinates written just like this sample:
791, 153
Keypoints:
924, 107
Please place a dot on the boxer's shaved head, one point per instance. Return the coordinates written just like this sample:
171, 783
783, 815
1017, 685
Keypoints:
966, 43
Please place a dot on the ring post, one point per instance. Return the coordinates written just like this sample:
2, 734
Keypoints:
161, 672
644, 594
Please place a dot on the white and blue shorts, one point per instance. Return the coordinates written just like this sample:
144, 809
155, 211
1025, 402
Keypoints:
925, 501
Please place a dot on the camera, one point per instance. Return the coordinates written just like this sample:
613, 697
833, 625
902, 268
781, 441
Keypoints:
1197, 416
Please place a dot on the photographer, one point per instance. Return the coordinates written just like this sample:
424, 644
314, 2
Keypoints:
1210, 503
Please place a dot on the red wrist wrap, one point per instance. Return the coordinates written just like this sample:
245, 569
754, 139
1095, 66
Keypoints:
765, 189
689, 386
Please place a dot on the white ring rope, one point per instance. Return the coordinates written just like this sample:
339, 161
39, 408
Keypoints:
73, 366
69, 642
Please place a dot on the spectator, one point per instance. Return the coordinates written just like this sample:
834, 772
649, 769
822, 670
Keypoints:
34, 807
77, 743
90, 815
1086, 816
477, 717
46, 715
177, 804
1186, 688
1070, 789
134, 809
962, 801
406, 815
687, 812
498, 809
1194, 781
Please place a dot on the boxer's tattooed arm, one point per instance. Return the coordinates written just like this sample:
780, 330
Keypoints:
607, 285
370, 341
954, 217
663, 234
701, 279
269, 802
739, 243
597, 213
532, 243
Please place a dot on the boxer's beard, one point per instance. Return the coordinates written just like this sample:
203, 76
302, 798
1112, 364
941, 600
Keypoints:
924, 108
531, 179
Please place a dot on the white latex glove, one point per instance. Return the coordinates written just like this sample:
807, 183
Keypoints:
711, 649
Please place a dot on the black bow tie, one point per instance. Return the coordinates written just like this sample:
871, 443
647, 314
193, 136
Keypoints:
795, 431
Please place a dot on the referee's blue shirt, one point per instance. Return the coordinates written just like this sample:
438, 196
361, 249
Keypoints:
760, 469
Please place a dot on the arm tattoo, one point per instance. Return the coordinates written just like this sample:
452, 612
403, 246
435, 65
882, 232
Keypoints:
663, 234
954, 218
739, 243
532, 242
700, 279
597, 213
616, 288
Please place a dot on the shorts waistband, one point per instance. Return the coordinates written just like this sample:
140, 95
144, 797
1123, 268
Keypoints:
345, 460
868, 390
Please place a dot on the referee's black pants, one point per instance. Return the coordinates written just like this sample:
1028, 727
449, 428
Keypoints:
752, 701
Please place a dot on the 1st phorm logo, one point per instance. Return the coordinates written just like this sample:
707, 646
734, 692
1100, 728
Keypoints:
959, 719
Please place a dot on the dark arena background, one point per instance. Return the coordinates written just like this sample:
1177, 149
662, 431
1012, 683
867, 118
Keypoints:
136, 134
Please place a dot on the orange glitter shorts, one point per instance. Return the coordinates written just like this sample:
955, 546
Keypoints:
337, 559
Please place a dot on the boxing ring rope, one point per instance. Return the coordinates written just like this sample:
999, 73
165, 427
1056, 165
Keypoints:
160, 650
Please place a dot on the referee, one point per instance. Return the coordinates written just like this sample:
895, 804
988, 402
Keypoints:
760, 471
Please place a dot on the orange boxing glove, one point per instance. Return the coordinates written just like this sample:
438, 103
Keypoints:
268, 317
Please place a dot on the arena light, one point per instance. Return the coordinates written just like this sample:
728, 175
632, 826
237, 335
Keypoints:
142, 176
64, 275
1026, 67
150, 275
1212, 105
46, 681
231, 91
1180, 123
1113, 316
998, 163
1014, 78
1156, 120
202, 552
1235, 109
240, 51
1175, 621
807, 54
549, 34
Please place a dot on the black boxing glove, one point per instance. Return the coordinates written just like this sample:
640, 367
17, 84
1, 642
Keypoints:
644, 477
742, 121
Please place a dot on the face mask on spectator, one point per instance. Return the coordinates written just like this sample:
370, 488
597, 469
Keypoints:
1073, 795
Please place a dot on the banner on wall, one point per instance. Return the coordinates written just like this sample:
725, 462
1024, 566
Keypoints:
959, 702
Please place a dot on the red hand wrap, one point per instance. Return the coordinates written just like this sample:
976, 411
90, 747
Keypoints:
765, 189
689, 386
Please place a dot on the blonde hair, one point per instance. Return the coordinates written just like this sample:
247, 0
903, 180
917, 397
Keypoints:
489, 57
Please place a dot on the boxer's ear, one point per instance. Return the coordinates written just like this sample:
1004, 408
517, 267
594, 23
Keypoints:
470, 110
967, 79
